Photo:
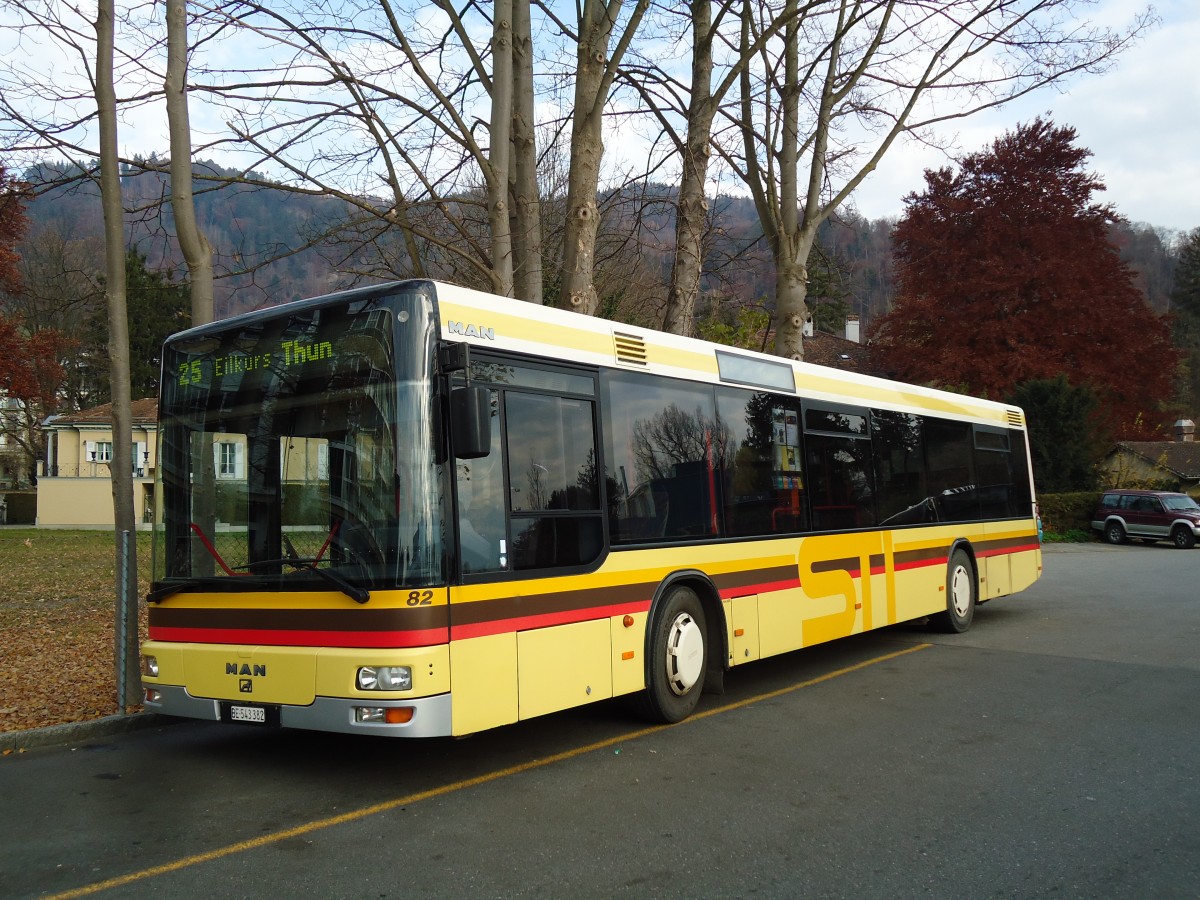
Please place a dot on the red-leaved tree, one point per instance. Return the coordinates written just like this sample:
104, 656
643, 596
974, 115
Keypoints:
32, 374
31, 371
1005, 273
12, 228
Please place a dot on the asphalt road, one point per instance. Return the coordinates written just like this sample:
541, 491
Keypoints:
1051, 751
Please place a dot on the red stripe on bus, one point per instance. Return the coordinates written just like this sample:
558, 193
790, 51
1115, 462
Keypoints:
543, 620
1006, 551
921, 564
371, 639
785, 584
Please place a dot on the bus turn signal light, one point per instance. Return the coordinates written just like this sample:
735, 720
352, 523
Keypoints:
387, 715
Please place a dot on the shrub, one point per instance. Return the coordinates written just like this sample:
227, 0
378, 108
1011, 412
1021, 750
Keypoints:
1068, 517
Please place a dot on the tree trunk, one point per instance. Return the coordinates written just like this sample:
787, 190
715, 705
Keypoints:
791, 291
691, 217
596, 67
583, 215
121, 467
197, 252
500, 151
526, 202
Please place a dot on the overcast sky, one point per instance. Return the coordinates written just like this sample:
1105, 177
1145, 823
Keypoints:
1141, 121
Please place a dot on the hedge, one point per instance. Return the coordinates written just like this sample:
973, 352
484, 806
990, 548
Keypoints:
21, 507
1064, 513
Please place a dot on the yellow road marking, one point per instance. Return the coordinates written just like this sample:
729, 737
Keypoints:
309, 827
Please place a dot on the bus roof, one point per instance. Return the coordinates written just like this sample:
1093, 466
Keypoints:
484, 320
488, 321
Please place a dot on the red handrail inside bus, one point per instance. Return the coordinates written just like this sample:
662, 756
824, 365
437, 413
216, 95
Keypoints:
328, 540
213, 550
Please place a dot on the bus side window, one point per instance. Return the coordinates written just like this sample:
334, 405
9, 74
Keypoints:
553, 485
664, 452
762, 484
841, 474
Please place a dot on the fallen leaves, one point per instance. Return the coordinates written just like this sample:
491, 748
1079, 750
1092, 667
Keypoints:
57, 625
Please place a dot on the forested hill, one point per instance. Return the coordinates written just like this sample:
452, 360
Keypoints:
274, 245
261, 237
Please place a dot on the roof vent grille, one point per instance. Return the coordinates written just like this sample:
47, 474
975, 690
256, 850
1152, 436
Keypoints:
1015, 419
631, 349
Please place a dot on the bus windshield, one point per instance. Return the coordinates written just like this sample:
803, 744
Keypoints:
300, 452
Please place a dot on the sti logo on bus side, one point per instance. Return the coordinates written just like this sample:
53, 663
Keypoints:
478, 331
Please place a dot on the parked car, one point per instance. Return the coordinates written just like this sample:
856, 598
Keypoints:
1148, 515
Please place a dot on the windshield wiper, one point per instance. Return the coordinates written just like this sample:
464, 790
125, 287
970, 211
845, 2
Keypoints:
353, 591
168, 590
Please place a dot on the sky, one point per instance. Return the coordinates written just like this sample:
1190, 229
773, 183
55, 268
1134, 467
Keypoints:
1141, 120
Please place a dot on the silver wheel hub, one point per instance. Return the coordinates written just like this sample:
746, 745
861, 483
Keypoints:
685, 654
960, 590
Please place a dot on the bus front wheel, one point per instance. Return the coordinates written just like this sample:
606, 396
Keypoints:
962, 590
678, 657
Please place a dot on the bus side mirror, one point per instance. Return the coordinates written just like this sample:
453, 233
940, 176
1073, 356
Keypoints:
471, 422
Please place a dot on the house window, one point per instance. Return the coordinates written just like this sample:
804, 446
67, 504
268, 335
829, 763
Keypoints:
140, 459
227, 459
100, 451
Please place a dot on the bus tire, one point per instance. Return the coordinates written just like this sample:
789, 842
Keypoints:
962, 591
677, 658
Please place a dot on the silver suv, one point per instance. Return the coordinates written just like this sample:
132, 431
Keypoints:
1148, 515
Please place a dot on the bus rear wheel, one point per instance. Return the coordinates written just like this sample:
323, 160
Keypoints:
962, 589
678, 658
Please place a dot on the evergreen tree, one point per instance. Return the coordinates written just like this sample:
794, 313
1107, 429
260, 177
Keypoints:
1006, 274
158, 307
1066, 440
1185, 303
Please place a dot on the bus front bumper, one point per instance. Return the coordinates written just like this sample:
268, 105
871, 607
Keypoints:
430, 715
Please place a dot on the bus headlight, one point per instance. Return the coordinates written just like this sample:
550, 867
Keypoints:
385, 678
150, 666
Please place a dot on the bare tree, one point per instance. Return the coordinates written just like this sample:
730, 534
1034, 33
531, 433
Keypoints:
692, 214
596, 69
197, 252
526, 199
848, 78
372, 98
698, 110
125, 640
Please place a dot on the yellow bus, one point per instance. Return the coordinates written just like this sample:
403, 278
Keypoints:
417, 510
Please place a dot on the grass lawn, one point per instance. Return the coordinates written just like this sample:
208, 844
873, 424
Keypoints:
57, 621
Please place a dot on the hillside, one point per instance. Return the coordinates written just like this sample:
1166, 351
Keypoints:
273, 245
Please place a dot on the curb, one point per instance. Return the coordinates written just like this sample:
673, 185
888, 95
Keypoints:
71, 732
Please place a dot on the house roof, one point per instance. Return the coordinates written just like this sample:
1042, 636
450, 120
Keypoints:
826, 349
145, 412
1180, 458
